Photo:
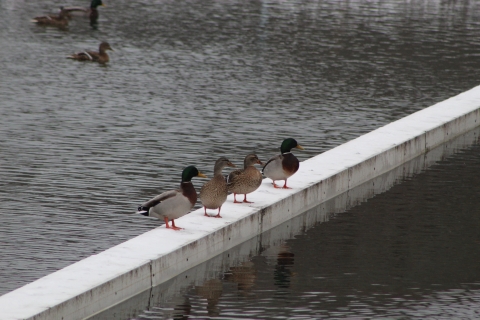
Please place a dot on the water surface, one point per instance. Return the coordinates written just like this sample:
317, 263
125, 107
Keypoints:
83, 145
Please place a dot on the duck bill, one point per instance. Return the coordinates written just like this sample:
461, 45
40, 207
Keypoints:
300, 147
201, 175
231, 165
260, 162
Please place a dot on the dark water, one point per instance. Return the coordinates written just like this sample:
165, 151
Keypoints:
409, 253
81, 145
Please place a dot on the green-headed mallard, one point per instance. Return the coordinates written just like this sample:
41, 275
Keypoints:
284, 165
90, 12
173, 204
101, 56
214, 193
246, 180
60, 20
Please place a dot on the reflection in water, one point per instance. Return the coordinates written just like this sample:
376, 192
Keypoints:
283, 269
243, 275
211, 290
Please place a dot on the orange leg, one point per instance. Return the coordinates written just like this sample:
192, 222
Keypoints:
174, 227
274, 185
235, 198
218, 214
285, 185
245, 199
166, 222
173, 224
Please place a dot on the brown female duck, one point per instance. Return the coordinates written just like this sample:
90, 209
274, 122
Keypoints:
60, 20
246, 180
214, 193
101, 56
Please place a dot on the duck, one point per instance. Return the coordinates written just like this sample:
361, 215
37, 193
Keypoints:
101, 56
60, 20
284, 165
213, 193
91, 12
173, 204
246, 180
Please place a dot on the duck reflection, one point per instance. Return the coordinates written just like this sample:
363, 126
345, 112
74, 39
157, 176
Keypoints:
178, 308
182, 310
283, 271
244, 275
212, 291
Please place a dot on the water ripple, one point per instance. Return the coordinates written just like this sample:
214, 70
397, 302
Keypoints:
82, 145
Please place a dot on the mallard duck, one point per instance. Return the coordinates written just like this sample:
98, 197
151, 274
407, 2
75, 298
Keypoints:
246, 180
214, 193
60, 20
90, 12
101, 56
284, 165
173, 204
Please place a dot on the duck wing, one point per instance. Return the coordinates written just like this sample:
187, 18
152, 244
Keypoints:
158, 199
86, 55
46, 19
233, 176
75, 9
269, 161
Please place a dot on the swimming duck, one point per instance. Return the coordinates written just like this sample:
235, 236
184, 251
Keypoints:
214, 193
173, 204
284, 165
90, 12
246, 180
100, 57
60, 20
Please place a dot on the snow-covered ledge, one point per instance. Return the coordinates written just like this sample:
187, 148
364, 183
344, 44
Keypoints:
103, 280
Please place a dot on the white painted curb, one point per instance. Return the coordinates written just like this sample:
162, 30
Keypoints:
269, 243
100, 281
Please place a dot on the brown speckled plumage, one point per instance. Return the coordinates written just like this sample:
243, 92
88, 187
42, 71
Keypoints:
214, 193
101, 56
246, 180
60, 20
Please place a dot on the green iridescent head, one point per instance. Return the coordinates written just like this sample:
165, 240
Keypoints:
189, 172
289, 144
96, 3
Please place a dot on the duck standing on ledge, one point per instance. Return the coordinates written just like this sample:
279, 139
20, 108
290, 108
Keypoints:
91, 12
173, 204
284, 165
214, 192
101, 56
246, 180
60, 20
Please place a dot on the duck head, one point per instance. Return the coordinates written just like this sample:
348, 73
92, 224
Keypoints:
251, 160
288, 144
189, 172
96, 3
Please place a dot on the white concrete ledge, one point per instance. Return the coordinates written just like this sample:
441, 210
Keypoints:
269, 242
103, 280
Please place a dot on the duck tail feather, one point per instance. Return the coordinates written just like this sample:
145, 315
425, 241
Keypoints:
143, 211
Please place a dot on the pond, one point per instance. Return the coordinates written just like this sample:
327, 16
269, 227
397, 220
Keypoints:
82, 145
